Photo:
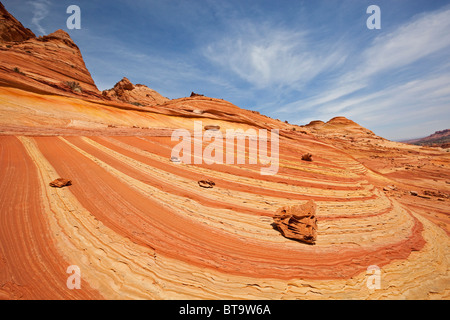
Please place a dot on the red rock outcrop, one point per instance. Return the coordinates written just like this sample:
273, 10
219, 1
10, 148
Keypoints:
307, 157
138, 94
60, 182
338, 126
139, 227
42, 64
438, 139
298, 222
212, 127
11, 30
315, 124
193, 95
206, 183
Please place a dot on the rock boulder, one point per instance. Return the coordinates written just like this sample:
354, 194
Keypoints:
60, 182
297, 222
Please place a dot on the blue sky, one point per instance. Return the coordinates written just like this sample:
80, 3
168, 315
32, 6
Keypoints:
292, 60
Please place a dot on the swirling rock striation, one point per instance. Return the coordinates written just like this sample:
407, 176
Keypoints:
138, 225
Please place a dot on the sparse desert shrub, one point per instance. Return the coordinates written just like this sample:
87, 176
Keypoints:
74, 86
137, 104
17, 70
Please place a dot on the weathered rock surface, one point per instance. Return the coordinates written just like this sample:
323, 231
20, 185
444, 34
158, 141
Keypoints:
11, 30
212, 127
138, 94
440, 138
298, 222
60, 182
338, 126
135, 215
206, 183
307, 157
46, 64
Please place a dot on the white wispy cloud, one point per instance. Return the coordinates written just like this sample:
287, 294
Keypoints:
417, 39
411, 100
301, 70
374, 93
265, 55
40, 12
407, 105
420, 38
109, 59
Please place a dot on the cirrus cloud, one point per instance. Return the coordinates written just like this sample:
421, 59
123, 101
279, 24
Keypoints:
40, 12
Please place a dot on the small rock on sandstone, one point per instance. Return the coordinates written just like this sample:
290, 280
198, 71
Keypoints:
297, 222
212, 127
206, 183
60, 182
307, 157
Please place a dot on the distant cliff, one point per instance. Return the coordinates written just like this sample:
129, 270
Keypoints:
437, 139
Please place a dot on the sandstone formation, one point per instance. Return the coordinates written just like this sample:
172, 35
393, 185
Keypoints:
43, 64
212, 127
11, 30
315, 124
338, 126
206, 183
307, 157
440, 138
60, 182
298, 222
138, 94
141, 227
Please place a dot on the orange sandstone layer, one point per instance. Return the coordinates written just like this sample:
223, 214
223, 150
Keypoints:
159, 212
139, 226
31, 267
